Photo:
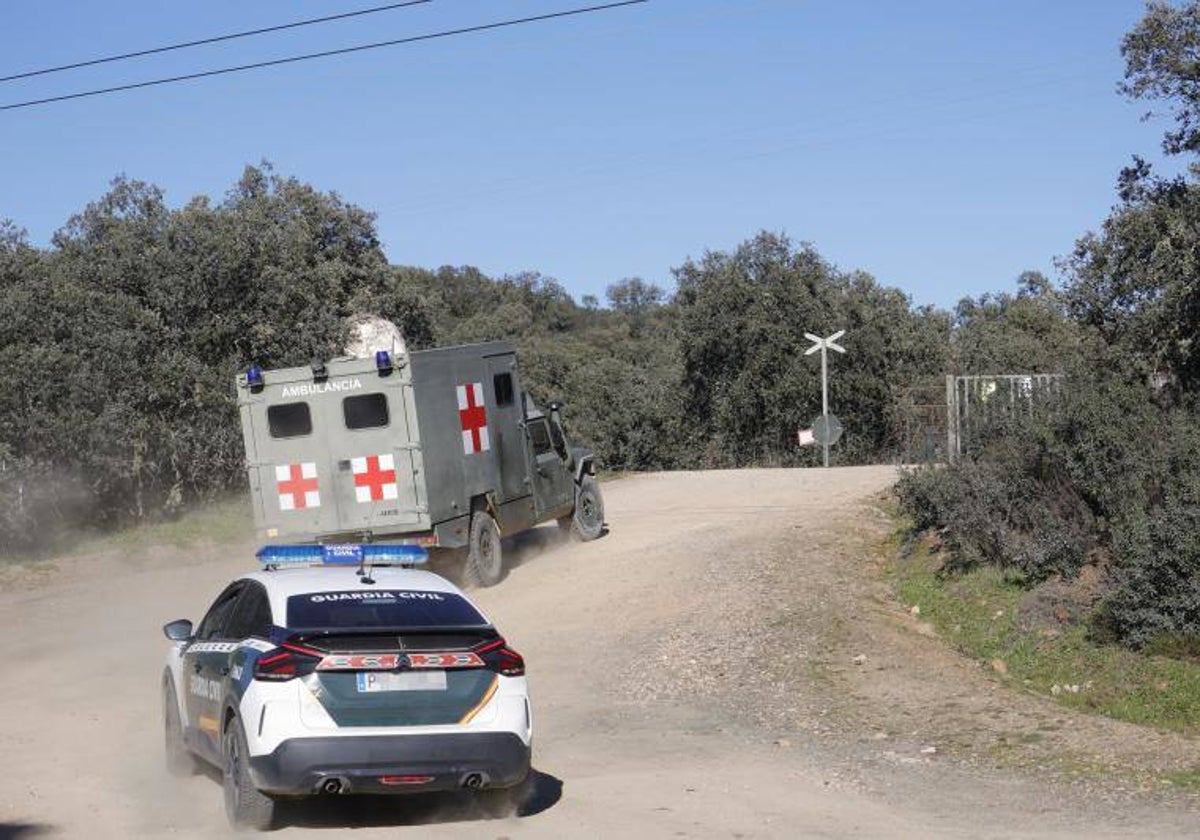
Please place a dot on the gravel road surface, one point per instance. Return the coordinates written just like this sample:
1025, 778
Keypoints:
725, 662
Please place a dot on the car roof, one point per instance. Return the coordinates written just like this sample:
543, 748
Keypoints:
282, 584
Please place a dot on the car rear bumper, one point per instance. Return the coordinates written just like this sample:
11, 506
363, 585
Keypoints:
392, 763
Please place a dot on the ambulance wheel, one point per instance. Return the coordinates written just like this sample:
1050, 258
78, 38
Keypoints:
180, 761
485, 563
245, 805
588, 521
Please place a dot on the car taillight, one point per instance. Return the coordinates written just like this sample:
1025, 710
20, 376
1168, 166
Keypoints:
286, 662
502, 659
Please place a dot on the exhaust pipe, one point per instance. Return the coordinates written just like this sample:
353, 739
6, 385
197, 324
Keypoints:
473, 781
334, 785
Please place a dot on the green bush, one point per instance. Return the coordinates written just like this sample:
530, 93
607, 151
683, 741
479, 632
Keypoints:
1105, 473
992, 513
1156, 546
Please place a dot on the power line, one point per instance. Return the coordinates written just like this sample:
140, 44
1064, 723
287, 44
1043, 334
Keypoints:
213, 40
430, 36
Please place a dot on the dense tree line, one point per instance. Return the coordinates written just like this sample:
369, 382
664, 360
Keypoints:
119, 343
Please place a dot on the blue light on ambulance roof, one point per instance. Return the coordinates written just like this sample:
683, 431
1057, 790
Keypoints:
254, 376
383, 361
345, 554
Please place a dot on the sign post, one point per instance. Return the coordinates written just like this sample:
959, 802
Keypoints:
830, 423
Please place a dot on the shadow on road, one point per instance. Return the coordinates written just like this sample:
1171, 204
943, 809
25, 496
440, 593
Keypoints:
23, 831
412, 809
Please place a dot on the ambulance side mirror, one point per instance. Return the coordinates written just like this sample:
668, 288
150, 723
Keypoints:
178, 631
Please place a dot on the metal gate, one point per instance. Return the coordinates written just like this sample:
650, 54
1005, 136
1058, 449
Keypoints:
972, 401
935, 420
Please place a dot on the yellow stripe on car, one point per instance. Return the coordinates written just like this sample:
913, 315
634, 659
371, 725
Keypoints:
487, 696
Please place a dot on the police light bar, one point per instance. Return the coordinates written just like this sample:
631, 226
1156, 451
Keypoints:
345, 554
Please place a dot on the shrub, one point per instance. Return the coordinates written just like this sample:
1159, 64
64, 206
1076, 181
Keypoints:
995, 513
1105, 467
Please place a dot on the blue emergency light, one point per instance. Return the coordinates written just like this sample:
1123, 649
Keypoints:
383, 360
254, 376
342, 554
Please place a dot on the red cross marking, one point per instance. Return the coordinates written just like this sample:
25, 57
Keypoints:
473, 417
296, 485
374, 478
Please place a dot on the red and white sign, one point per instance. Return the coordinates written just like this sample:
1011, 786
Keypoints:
360, 662
374, 478
472, 416
444, 660
297, 485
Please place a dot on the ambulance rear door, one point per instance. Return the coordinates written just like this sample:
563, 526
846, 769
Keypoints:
372, 439
288, 462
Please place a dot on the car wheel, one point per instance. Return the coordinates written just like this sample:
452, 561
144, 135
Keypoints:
588, 521
485, 562
180, 761
245, 805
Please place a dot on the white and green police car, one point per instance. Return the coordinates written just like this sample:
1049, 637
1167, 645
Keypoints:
342, 669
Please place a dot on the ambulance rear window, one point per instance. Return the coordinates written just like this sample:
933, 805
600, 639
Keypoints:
289, 420
369, 411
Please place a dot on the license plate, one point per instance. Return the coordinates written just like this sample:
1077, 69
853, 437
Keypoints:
403, 681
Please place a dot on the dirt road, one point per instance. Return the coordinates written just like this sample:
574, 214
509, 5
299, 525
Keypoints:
721, 664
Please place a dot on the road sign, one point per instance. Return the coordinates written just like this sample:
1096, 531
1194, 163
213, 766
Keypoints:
806, 437
827, 429
821, 343
824, 345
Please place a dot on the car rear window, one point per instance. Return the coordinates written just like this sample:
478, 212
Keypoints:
393, 608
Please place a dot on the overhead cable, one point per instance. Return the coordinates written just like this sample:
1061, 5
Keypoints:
430, 36
213, 40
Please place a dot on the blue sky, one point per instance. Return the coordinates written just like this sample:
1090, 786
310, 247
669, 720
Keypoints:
942, 146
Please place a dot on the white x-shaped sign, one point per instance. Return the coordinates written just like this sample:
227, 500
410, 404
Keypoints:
819, 342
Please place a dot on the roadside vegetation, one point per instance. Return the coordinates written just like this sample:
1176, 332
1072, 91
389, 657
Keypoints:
1101, 480
1025, 637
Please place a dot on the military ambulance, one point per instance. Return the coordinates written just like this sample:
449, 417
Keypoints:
438, 448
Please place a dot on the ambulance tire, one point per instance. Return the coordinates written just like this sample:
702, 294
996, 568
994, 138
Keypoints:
245, 805
485, 561
180, 761
588, 521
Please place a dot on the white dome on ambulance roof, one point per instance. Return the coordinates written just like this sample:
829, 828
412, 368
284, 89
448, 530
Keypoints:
368, 334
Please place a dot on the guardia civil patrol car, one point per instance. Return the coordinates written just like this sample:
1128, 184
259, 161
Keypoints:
341, 670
